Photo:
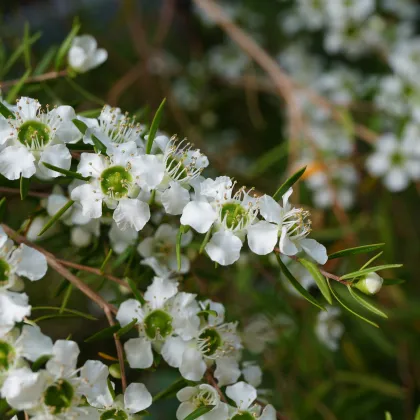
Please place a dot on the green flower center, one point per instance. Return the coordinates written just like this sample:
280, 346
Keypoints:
397, 159
158, 324
114, 414
4, 272
34, 134
7, 354
234, 215
58, 397
115, 181
210, 341
176, 169
243, 416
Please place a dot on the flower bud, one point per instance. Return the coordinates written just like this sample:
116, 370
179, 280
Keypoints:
115, 371
370, 284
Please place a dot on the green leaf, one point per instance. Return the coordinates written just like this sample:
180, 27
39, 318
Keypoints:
69, 311
154, 127
66, 44
135, 291
318, 277
268, 159
350, 310
393, 282
368, 263
171, 390
354, 251
103, 334
56, 217
45, 62
98, 145
40, 362
27, 46
207, 312
388, 416
105, 262
199, 412
53, 316
2, 208
85, 94
66, 297
360, 273
205, 241
127, 328
122, 258
24, 187
297, 285
71, 174
288, 183
366, 304
6, 111
14, 91
81, 126
417, 416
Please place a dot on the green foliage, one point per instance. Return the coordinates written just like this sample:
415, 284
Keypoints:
288, 183
154, 126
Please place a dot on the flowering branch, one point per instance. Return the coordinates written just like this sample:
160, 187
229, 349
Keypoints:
35, 79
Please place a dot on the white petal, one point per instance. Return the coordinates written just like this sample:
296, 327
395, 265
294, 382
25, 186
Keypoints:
149, 170
199, 215
270, 209
129, 310
65, 354
13, 308
269, 413
137, 398
262, 237
185, 409
227, 371
315, 250
173, 350
139, 353
146, 247
29, 262
91, 164
242, 394
193, 365
122, 153
55, 202
187, 393
67, 132
3, 237
90, 198
175, 198
378, 164
94, 384
121, 239
287, 247
57, 155
16, 160
396, 180
99, 57
224, 248
33, 343
160, 291
28, 108
131, 213
252, 374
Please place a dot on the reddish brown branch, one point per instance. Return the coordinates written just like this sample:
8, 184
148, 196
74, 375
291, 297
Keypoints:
35, 79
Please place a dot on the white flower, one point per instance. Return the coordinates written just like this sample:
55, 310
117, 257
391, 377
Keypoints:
291, 224
17, 346
328, 329
85, 55
15, 262
258, 333
136, 398
113, 127
162, 246
405, 60
34, 136
115, 182
216, 342
216, 205
227, 60
243, 395
192, 398
252, 373
397, 161
167, 319
121, 239
57, 391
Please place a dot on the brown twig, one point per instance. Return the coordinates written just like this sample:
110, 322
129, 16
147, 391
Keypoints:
35, 79
120, 351
60, 269
164, 24
7, 190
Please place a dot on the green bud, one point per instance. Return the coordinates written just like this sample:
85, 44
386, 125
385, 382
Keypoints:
369, 284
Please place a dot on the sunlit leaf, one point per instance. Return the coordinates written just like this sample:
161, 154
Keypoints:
366, 304
288, 183
318, 277
56, 217
354, 251
154, 127
360, 273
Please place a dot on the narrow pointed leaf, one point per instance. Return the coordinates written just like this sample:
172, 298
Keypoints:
66, 310
40, 362
207, 312
108, 256
81, 126
366, 304
178, 247
6, 111
127, 328
297, 285
103, 334
388, 416
393, 282
369, 270
417, 416
65, 46
56, 217
205, 241
98, 145
66, 298
354, 251
171, 390
288, 183
199, 412
154, 127
24, 187
2, 208
350, 310
45, 62
71, 174
318, 277
135, 291
368, 263
14, 91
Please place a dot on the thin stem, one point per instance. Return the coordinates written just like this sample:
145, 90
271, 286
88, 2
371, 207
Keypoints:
35, 79
7, 190
120, 351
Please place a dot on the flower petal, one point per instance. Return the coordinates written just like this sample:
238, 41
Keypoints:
137, 398
287, 247
262, 237
173, 350
315, 250
224, 248
33, 343
193, 365
139, 353
199, 215
242, 394
129, 310
131, 213
57, 155
30, 262
16, 161
270, 209
175, 198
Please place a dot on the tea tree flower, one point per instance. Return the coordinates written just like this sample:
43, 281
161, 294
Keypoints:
328, 328
194, 397
84, 54
114, 181
34, 136
167, 318
292, 225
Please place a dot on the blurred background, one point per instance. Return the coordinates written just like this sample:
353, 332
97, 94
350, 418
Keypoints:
351, 70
